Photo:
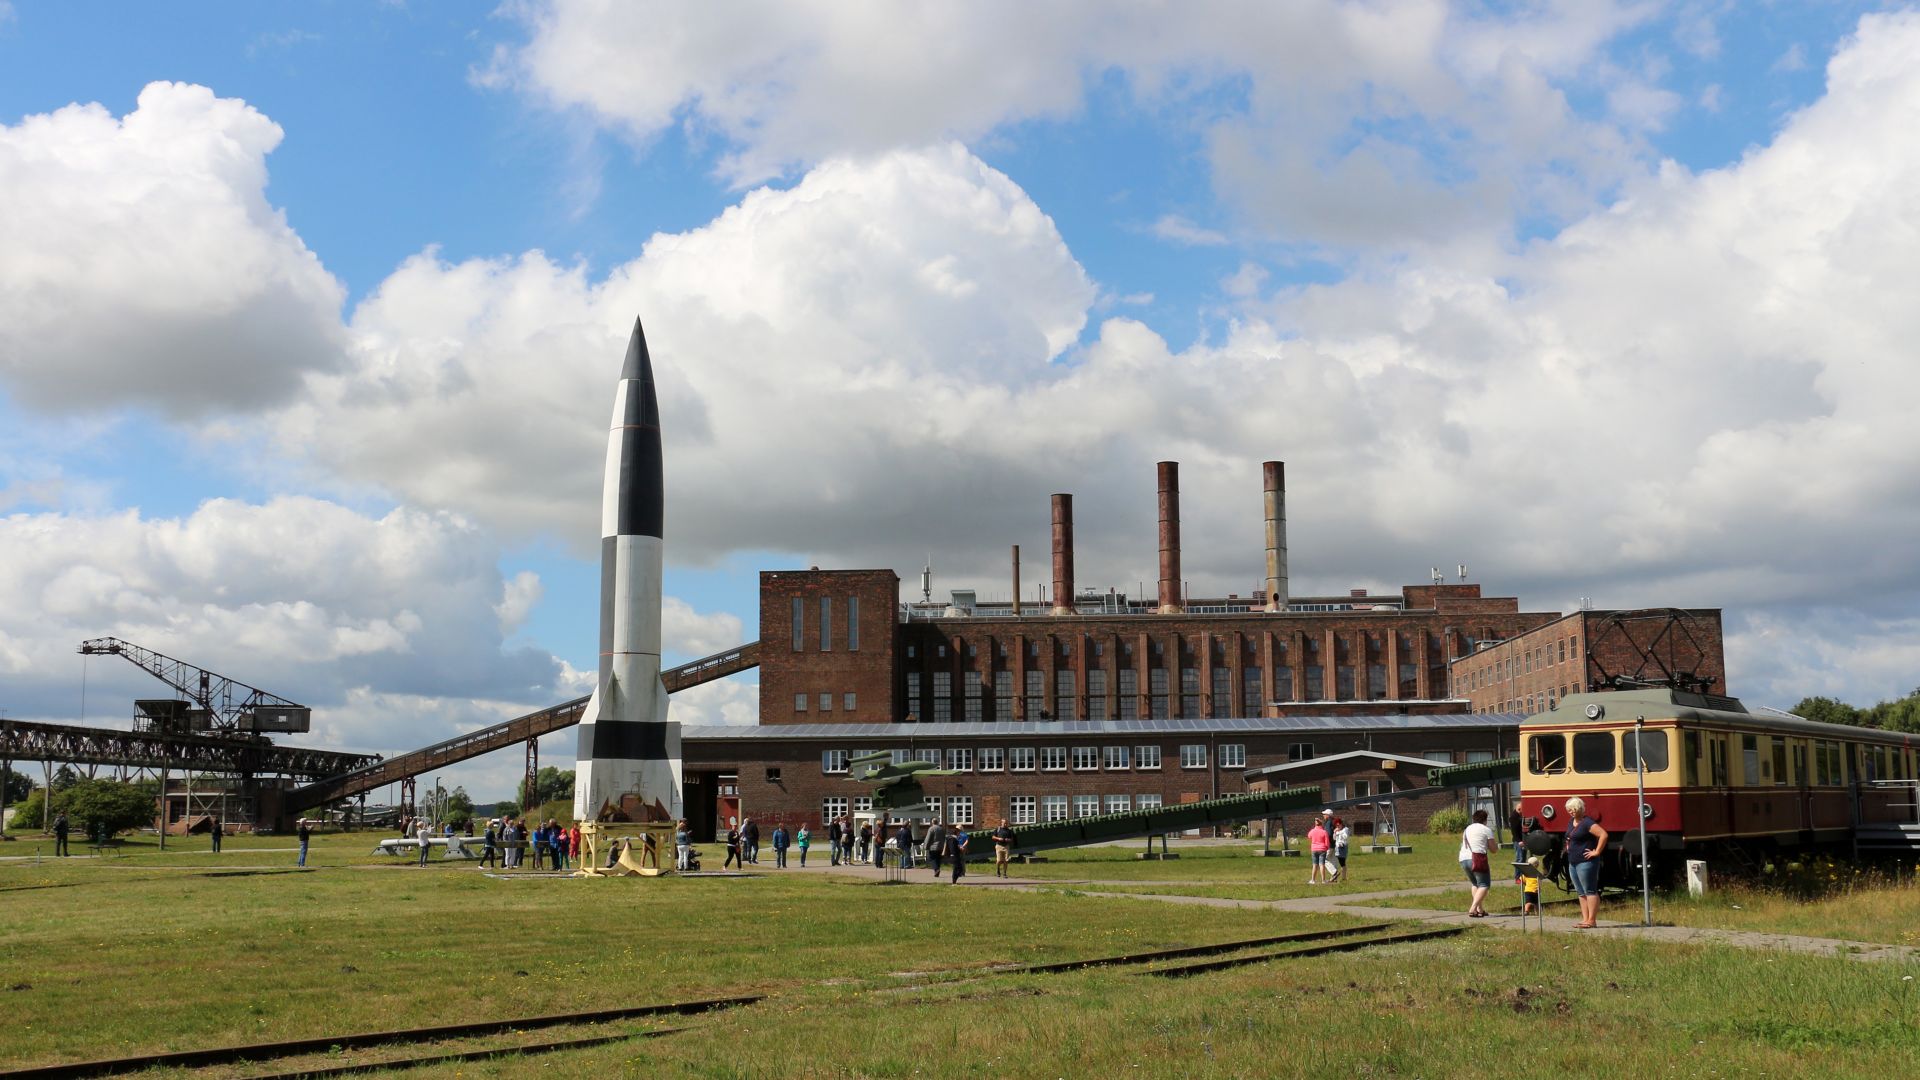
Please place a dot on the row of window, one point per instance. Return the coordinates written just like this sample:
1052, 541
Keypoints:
932, 697
823, 628
1531, 703
1764, 759
1553, 653
957, 809
1021, 809
1056, 758
847, 702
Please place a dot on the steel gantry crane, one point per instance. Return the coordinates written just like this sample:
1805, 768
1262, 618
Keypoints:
214, 702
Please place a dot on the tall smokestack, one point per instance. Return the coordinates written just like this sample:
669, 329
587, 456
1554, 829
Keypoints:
1170, 601
1273, 475
1016, 581
1063, 555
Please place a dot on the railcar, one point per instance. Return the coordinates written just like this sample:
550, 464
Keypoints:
1720, 781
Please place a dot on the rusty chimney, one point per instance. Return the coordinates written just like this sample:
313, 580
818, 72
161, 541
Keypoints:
1273, 476
1170, 600
1063, 555
1016, 581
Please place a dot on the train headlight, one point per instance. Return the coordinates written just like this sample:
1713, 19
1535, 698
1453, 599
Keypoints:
1546, 811
1595, 711
1646, 811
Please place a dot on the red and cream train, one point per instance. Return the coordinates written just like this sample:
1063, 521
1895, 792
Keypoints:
1716, 774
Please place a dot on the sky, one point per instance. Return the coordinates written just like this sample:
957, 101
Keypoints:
310, 317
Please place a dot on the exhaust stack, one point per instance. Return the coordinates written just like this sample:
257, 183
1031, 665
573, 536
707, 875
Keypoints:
1171, 602
1274, 481
1063, 555
1016, 581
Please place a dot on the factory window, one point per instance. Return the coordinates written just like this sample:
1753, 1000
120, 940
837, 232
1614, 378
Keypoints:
1376, 680
1086, 805
960, 758
1250, 695
942, 697
1222, 693
1096, 694
863, 804
900, 757
826, 702
833, 761
1086, 758
992, 759
826, 624
1653, 747
773, 774
1336, 791
1129, 694
912, 651
1300, 751
847, 701
1063, 696
1233, 756
799, 703
917, 687
1316, 682
853, 624
833, 809
1190, 693
974, 696
1575, 650
1117, 757
972, 650
960, 809
1053, 759
1146, 802
1020, 759
1386, 787
1053, 808
1593, 752
1157, 687
1360, 788
1343, 682
1003, 696
1146, 757
799, 623
1099, 649
1193, 756
1022, 809
1036, 695
1118, 804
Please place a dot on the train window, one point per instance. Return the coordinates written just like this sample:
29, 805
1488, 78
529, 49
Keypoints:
1779, 760
1547, 753
1690, 768
1593, 752
1800, 763
1750, 759
1653, 747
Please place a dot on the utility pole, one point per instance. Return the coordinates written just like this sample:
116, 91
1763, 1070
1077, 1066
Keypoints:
1640, 785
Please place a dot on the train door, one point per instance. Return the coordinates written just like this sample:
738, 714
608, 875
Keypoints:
1720, 781
1803, 800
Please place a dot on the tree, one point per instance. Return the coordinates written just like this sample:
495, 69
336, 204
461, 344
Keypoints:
1827, 711
106, 805
65, 777
14, 787
549, 785
458, 809
30, 813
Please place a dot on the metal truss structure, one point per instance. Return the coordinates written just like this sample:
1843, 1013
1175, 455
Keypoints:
227, 703
22, 740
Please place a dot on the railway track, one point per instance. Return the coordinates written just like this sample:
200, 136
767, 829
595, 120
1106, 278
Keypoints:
267, 1052
520, 1050
1348, 944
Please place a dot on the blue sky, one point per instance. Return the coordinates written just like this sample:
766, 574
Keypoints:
908, 273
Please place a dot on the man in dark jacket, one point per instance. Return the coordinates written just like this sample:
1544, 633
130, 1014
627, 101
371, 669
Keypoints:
936, 846
750, 841
833, 840
60, 828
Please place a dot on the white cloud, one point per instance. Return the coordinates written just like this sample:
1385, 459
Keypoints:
1794, 59
1181, 231
143, 264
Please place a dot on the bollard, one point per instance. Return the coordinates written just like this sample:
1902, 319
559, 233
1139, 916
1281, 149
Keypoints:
1696, 877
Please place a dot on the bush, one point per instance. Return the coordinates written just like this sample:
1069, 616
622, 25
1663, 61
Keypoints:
29, 813
106, 805
1449, 821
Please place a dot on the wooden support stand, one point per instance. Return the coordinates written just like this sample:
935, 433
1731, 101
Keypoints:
626, 849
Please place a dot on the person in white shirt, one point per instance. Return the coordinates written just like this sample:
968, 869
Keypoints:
1477, 846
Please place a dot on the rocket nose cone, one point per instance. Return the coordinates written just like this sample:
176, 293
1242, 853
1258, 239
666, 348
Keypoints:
639, 365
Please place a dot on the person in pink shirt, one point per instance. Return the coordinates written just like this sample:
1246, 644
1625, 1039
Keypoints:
1318, 842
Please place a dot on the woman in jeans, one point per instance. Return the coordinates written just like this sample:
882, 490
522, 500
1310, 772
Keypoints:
1585, 841
1477, 845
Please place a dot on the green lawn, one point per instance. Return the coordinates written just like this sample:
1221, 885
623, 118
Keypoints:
1238, 872
155, 952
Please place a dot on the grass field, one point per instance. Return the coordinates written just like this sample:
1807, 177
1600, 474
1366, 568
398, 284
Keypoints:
150, 952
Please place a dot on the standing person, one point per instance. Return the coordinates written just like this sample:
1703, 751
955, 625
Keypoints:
1585, 841
573, 844
214, 834
846, 841
750, 836
682, 843
936, 846
1002, 848
1342, 836
540, 846
1477, 845
425, 831
733, 849
780, 847
1318, 842
957, 851
904, 841
561, 847
486, 851
866, 841
306, 834
801, 840
833, 841
61, 826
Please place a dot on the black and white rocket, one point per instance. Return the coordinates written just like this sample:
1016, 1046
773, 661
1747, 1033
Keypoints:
629, 762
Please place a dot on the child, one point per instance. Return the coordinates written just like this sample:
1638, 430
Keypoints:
1529, 892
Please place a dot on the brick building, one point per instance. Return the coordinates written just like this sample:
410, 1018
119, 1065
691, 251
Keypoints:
1591, 651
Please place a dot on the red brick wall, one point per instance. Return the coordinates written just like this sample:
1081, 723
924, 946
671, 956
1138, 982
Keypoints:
867, 673
1571, 654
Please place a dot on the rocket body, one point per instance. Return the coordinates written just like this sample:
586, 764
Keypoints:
629, 766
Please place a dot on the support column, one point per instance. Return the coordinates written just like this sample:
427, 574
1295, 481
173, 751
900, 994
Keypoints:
1393, 665
1206, 676
1362, 690
1081, 709
1330, 665
1236, 679
1299, 651
1422, 685
1020, 677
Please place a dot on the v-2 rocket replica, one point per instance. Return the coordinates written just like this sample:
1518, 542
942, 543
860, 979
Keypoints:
629, 763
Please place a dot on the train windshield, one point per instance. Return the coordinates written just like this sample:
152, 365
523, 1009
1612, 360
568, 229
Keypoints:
1593, 752
1653, 749
1547, 753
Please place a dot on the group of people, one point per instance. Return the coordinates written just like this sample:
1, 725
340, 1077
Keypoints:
508, 840
942, 848
1584, 843
1327, 841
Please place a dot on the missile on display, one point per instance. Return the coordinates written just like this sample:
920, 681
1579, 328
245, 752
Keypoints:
629, 766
